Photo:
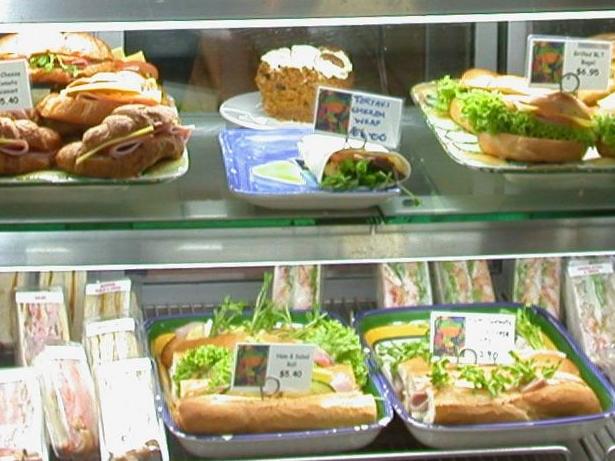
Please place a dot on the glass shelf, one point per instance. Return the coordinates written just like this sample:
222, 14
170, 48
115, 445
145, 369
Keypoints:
201, 198
195, 221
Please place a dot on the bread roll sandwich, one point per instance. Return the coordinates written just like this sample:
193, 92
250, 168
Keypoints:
552, 128
129, 141
87, 101
58, 57
605, 127
195, 364
537, 382
26, 146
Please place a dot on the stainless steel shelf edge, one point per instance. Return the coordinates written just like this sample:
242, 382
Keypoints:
529, 454
159, 14
323, 244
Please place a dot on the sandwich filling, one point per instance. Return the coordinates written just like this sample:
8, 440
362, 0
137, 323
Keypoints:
204, 366
125, 87
437, 390
349, 169
21, 137
115, 138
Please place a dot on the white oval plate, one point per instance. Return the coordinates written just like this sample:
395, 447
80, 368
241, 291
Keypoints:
246, 110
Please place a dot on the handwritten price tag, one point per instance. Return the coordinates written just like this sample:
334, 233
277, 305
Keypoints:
567, 63
15, 85
272, 368
472, 337
359, 115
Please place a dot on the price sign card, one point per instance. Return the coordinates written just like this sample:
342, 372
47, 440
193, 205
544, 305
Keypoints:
273, 368
568, 63
472, 337
359, 115
585, 269
15, 85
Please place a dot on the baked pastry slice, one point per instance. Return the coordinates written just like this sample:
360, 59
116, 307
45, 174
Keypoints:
129, 141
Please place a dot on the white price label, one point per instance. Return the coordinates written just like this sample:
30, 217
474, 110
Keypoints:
273, 368
110, 326
15, 91
585, 270
567, 63
101, 288
354, 114
472, 337
39, 297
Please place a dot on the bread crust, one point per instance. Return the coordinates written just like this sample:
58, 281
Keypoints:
228, 340
605, 150
467, 406
62, 77
566, 394
79, 111
456, 114
532, 150
80, 44
43, 142
26, 163
228, 414
152, 151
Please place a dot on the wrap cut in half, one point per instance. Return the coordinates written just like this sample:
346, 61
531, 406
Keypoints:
330, 158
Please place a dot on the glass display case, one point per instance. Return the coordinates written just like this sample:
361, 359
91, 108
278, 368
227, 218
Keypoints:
187, 232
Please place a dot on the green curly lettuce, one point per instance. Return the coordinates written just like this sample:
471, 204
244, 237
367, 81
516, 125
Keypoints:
488, 113
339, 341
447, 89
209, 362
50, 61
604, 126
396, 353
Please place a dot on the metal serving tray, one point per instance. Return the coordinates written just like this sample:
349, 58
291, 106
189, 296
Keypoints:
554, 430
272, 444
394, 443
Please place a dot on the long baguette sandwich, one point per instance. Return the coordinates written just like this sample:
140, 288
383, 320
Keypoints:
195, 366
538, 383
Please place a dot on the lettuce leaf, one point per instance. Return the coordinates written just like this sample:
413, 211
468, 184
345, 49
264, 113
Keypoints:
488, 113
605, 129
447, 89
339, 341
206, 362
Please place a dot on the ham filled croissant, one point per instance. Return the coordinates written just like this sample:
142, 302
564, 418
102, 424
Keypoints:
129, 141
25, 146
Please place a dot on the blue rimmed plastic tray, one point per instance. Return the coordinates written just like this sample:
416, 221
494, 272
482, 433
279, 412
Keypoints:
244, 149
500, 434
271, 444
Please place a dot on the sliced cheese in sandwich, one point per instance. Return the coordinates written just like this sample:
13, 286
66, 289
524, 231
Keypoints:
123, 86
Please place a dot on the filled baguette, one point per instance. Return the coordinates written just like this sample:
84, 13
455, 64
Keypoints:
459, 402
196, 363
230, 414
